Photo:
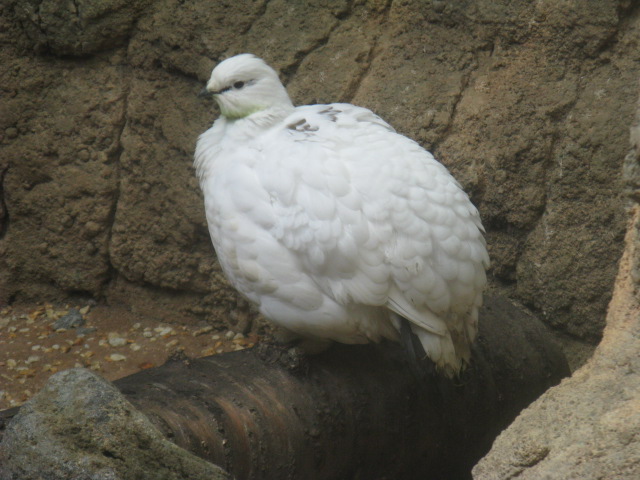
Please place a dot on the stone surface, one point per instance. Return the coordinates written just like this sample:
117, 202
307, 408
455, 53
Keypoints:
527, 103
73, 319
77, 27
80, 427
588, 427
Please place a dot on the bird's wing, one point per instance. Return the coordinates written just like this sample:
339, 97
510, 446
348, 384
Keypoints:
373, 218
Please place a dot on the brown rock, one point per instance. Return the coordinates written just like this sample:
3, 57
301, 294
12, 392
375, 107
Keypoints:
527, 103
587, 427
79, 27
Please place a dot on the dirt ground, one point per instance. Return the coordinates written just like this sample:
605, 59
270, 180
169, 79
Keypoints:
111, 341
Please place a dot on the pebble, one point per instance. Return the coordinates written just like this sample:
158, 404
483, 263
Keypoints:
162, 331
86, 330
202, 330
81, 344
48, 310
115, 340
73, 319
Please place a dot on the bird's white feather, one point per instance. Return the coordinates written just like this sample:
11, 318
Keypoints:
329, 221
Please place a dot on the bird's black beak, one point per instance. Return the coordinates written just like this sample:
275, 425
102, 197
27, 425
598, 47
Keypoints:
204, 93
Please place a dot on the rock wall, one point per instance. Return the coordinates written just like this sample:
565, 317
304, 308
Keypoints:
528, 103
587, 427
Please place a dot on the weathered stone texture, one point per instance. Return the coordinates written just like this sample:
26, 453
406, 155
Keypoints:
588, 426
79, 426
528, 103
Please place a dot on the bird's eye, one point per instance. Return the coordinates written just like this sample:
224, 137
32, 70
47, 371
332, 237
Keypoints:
238, 85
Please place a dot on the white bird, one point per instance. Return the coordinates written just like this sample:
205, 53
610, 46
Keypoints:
334, 225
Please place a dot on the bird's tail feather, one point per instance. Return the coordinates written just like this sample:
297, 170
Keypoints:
441, 349
449, 351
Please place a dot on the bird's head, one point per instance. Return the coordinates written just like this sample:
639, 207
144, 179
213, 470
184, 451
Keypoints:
245, 84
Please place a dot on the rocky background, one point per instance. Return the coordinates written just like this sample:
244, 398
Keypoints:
528, 103
588, 427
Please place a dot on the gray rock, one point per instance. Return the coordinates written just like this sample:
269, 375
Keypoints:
86, 330
73, 319
80, 427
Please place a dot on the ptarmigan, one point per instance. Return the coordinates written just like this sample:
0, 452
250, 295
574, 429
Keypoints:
333, 224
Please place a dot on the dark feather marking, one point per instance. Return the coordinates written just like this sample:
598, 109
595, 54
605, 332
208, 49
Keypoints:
294, 126
414, 349
302, 126
331, 112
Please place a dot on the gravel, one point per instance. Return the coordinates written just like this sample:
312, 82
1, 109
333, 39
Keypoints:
38, 341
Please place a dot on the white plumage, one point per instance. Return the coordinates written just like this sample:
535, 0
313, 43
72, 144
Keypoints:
333, 224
